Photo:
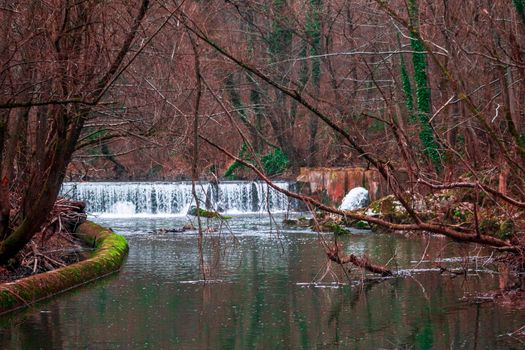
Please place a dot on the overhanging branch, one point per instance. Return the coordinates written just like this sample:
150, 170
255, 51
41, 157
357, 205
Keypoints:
420, 226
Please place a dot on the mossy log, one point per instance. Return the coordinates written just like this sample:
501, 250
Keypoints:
110, 249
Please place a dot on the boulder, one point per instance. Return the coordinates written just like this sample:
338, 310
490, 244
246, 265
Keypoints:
388, 208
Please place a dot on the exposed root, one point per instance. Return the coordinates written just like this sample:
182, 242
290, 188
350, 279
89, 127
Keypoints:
54, 246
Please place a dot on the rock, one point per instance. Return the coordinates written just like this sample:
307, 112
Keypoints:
184, 228
388, 208
206, 213
330, 226
357, 198
300, 222
188, 227
361, 225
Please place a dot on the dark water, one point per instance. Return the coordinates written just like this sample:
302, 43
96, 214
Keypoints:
262, 297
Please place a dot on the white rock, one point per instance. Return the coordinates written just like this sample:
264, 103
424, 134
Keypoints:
355, 199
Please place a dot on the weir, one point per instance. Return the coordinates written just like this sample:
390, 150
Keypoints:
131, 199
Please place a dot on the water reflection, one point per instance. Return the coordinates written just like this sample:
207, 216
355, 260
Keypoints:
265, 299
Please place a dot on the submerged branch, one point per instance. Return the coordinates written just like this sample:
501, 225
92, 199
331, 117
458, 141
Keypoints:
334, 254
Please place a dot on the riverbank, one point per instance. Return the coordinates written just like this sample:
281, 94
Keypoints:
109, 251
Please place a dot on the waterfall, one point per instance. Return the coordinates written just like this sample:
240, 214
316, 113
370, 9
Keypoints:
132, 199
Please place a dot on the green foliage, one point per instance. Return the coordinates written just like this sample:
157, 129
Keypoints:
313, 31
229, 172
235, 97
236, 165
280, 37
459, 215
506, 229
97, 135
496, 226
337, 229
520, 8
420, 75
407, 88
376, 126
275, 162
426, 134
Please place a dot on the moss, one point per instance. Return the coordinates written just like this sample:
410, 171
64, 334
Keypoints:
493, 226
109, 255
361, 225
207, 214
335, 228
313, 31
384, 206
331, 226
505, 230
407, 87
280, 38
390, 209
423, 93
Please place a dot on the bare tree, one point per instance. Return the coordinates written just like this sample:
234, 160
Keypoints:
61, 59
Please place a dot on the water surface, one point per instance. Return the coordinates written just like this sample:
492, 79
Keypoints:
266, 294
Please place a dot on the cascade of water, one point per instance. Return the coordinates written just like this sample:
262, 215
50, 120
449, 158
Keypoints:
123, 199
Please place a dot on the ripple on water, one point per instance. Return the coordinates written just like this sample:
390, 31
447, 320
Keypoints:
261, 287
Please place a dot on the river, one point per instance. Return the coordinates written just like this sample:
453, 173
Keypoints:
265, 291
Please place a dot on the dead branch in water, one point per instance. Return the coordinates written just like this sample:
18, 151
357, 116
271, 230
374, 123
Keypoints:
335, 254
417, 226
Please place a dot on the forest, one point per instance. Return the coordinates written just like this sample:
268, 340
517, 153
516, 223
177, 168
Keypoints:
429, 95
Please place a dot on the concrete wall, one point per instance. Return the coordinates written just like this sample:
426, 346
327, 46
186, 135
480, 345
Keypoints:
330, 185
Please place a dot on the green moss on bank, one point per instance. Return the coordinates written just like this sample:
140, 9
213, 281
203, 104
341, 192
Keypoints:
108, 256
